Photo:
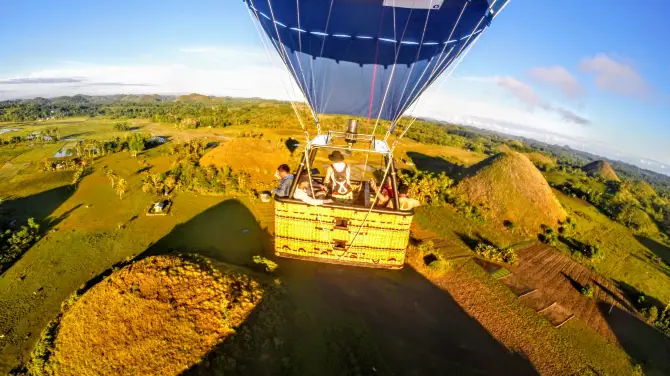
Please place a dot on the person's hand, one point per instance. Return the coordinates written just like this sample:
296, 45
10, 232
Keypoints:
328, 201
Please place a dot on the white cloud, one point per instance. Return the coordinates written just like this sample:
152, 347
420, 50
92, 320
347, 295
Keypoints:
615, 76
559, 77
241, 72
527, 95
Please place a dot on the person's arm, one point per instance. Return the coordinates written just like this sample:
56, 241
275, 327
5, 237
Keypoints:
285, 187
329, 172
348, 171
304, 197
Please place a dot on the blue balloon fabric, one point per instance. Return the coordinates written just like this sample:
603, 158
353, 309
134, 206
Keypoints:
370, 58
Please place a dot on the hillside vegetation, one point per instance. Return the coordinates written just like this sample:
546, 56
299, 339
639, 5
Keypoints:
512, 190
218, 154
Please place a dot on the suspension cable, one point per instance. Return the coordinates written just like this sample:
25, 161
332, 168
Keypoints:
439, 59
284, 54
418, 54
267, 50
458, 55
395, 61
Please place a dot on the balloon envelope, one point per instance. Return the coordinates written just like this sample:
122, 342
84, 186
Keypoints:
370, 58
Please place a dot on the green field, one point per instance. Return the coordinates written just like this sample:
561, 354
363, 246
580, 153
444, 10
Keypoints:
346, 318
628, 257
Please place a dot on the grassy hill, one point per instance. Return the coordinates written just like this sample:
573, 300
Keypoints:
159, 315
642, 190
601, 169
511, 189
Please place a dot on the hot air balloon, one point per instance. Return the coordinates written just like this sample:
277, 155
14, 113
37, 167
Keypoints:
370, 59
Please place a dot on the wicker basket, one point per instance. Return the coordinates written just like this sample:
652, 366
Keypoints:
324, 234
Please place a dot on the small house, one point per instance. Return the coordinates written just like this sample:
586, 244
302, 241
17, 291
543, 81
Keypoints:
157, 140
159, 206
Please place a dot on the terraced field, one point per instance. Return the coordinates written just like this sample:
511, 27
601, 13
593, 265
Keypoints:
554, 283
549, 282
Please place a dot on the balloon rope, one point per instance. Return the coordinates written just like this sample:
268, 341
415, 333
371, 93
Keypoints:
372, 204
315, 207
267, 50
460, 59
284, 55
319, 97
439, 60
439, 86
310, 101
374, 71
372, 94
397, 52
434, 75
411, 70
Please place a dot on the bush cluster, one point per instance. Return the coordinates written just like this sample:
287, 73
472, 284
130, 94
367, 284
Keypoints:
433, 260
121, 127
493, 253
657, 316
588, 291
14, 242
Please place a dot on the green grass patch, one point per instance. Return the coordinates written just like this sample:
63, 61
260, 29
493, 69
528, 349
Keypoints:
500, 273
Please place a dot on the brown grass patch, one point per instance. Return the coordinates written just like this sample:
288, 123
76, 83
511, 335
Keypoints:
257, 157
510, 188
158, 316
540, 159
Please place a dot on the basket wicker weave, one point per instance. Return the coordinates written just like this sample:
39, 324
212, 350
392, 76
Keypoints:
321, 233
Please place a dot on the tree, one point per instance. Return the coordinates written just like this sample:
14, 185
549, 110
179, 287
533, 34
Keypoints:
26, 236
121, 127
111, 175
78, 175
121, 186
136, 143
170, 183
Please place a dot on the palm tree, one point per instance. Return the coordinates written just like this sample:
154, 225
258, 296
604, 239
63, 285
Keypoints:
112, 177
170, 183
121, 186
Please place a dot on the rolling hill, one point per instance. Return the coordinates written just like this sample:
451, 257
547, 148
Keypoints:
511, 189
600, 169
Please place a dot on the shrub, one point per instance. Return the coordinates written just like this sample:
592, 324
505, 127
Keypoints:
427, 187
268, 266
434, 262
663, 321
549, 237
492, 253
568, 227
650, 313
121, 127
14, 243
137, 142
593, 252
588, 291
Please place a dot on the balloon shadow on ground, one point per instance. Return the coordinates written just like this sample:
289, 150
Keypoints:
435, 164
291, 144
661, 251
640, 340
321, 319
227, 232
15, 213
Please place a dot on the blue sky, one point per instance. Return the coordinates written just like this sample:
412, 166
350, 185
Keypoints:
592, 74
